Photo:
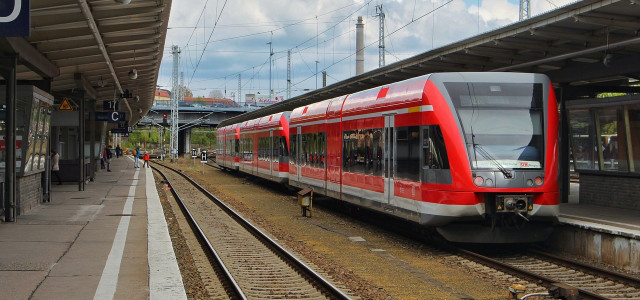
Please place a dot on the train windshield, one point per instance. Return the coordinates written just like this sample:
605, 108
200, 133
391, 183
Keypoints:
502, 123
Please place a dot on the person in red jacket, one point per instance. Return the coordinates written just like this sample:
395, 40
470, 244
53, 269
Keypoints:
145, 157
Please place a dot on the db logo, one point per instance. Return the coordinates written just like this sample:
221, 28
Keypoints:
17, 5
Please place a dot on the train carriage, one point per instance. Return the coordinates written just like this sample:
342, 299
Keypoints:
471, 154
228, 143
308, 129
272, 146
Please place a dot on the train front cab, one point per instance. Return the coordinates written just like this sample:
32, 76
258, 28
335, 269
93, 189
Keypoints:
220, 146
507, 127
230, 147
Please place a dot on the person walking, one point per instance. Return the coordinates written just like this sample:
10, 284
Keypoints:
136, 162
145, 158
118, 151
55, 165
107, 157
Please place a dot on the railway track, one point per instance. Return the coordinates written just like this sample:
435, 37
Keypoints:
249, 264
562, 277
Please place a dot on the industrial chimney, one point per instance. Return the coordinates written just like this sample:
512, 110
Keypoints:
359, 47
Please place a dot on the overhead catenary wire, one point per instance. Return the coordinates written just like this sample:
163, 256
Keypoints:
205, 46
387, 35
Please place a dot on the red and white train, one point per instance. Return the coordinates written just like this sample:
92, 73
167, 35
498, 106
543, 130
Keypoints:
473, 155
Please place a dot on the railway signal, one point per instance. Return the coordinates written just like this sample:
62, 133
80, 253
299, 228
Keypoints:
203, 159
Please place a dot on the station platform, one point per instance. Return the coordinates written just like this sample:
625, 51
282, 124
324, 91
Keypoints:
108, 242
614, 221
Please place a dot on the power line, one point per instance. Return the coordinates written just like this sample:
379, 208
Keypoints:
393, 32
205, 46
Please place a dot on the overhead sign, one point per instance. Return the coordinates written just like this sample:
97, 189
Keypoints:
110, 105
65, 105
122, 130
15, 18
110, 116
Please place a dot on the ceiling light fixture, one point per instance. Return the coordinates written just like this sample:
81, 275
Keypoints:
133, 74
123, 1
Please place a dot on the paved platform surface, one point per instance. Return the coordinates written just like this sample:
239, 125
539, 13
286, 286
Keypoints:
616, 221
107, 242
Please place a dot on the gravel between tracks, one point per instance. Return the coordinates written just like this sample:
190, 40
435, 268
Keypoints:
370, 262
192, 260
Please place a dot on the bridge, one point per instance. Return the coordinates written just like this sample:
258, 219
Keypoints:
190, 116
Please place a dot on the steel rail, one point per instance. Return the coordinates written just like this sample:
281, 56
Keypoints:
235, 292
570, 263
326, 286
537, 278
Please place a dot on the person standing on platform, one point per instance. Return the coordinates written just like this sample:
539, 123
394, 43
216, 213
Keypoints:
118, 151
55, 165
136, 162
107, 157
145, 158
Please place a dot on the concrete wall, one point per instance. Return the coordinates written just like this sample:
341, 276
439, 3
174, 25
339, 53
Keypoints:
611, 190
620, 251
28, 193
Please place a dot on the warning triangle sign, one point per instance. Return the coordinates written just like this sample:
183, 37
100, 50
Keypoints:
65, 105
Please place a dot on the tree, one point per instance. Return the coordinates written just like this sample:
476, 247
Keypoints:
186, 91
216, 94
200, 101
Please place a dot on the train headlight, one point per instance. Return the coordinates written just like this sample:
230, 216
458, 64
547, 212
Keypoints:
489, 182
478, 180
539, 181
529, 182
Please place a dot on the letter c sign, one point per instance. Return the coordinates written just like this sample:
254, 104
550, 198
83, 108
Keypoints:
15, 18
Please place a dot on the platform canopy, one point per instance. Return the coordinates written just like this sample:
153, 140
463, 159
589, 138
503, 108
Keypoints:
93, 45
586, 47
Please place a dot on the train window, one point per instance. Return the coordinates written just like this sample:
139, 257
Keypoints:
362, 151
321, 146
293, 145
304, 150
275, 149
408, 153
346, 151
284, 150
502, 123
433, 148
376, 156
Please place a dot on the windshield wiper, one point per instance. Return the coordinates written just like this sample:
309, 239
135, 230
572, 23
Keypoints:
488, 156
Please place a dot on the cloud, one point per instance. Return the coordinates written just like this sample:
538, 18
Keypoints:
239, 43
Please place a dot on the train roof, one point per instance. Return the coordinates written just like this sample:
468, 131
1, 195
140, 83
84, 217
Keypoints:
311, 112
274, 120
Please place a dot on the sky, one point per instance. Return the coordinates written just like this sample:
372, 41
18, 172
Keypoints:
224, 44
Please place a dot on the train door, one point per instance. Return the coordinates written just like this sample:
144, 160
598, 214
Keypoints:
299, 152
388, 157
271, 154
